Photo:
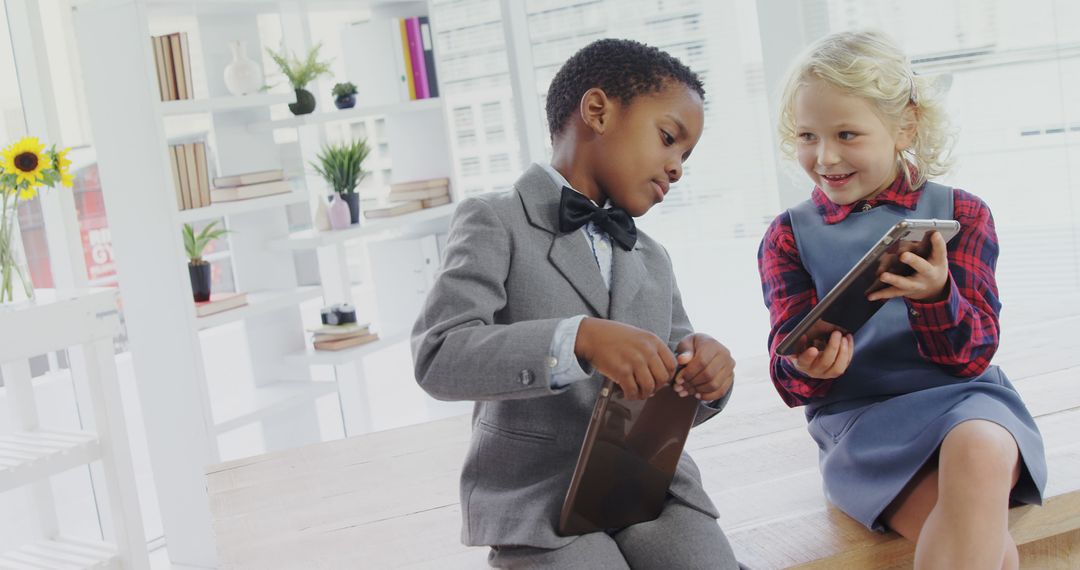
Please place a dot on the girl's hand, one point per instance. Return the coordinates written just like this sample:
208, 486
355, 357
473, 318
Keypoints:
708, 368
827, 363
927, 284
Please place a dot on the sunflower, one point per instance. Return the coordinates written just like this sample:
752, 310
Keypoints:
62, 163
25, 159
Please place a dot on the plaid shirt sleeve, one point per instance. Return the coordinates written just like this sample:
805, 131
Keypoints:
960, 333
789, 294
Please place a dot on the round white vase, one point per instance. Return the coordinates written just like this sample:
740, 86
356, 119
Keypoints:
242, 75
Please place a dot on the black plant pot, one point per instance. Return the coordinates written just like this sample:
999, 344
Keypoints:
200, 281
345, 102
353, 200
305, 102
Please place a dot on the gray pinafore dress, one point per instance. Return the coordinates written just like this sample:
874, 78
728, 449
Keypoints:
890, 411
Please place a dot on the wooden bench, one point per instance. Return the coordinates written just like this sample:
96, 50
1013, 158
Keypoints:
390, 499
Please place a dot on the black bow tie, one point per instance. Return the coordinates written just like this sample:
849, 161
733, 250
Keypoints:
575, 210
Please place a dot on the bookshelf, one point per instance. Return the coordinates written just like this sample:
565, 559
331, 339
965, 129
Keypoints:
185, 414
84, 323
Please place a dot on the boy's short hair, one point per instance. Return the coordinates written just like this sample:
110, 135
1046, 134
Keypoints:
624, 69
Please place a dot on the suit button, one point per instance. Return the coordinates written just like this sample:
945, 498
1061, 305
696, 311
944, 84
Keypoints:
551, 362
526, 377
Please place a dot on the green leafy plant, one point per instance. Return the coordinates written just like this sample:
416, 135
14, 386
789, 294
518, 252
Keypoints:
341, 165
195, 243
343, 89
300, 73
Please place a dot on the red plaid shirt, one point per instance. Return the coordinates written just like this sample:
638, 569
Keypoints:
960, 334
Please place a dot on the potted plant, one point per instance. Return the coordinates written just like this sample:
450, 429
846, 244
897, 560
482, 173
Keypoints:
300, 73
344, 95
341, 165
199, 268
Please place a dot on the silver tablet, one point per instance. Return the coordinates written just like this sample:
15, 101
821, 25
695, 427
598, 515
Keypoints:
845, 307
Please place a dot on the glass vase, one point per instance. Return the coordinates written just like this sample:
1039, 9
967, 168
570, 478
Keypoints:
15, 284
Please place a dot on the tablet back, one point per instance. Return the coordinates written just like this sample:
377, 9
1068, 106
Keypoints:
627, 460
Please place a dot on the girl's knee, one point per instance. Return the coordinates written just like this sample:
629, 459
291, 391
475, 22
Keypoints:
981, 447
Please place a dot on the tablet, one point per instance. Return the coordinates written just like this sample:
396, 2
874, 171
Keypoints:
627, 461
846, 308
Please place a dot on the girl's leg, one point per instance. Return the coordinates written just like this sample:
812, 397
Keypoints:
957, 511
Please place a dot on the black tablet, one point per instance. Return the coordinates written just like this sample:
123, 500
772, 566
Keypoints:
845, 307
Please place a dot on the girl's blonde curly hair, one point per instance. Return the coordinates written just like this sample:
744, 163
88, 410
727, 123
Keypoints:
870, 65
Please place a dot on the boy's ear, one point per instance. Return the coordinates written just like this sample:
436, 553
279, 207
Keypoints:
908, 127
596, 109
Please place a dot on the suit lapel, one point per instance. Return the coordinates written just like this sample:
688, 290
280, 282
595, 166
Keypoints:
572, 256
569, 253
627, 274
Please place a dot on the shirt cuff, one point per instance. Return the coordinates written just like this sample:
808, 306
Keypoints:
937, 316
564, 364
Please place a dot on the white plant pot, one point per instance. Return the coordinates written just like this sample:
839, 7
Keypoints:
242, 76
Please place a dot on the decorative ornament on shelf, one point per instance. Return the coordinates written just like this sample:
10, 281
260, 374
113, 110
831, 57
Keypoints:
25, 167
300, 73
338, 212
242, 76
342, 166
344, 95
199, 268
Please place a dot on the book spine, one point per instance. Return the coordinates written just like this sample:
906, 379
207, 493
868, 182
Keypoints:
176, 178
170, 77
203, 174
429, 56
416, 54
404, 37
181, 166
159, 65
178, 67
185, 55
193, 176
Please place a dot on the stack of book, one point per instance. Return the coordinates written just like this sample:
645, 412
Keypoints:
191, 177
173, 64
338, 337
411, 196
408, 76
220, 302
249, 185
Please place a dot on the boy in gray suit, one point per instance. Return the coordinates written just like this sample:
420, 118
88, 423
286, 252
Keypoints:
549, 287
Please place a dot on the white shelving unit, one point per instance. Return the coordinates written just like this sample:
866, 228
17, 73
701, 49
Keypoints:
394, 259
184, 413
84, 322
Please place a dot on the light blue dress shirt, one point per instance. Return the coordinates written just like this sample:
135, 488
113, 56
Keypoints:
565, 366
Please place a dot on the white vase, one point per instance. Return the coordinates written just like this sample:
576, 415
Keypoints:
242, 76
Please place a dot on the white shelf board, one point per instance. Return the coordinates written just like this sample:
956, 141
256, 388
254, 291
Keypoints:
62, 552
30, 456
57, 318
379, 228
241, 206
350, 114
258, 303
230, 103
241, 408
310, 356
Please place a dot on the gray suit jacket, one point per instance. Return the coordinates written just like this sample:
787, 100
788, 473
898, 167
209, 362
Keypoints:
485, 333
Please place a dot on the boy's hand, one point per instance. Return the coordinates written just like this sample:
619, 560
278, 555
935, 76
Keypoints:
927, 284
708, 368
827, 363
637, 360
